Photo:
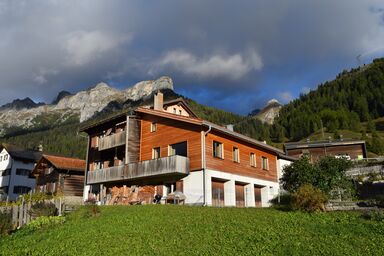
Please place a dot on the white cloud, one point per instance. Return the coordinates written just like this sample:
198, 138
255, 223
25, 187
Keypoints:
83, 47
41, 77
286, 96
233, 67
305, 90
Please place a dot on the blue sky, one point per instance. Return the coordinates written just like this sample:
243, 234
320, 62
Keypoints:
235, 55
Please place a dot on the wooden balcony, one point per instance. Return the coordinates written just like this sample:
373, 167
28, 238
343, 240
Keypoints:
172, 166
111, 141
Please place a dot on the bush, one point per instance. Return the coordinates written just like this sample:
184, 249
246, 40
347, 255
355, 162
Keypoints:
43, 209
309, 199
43, 222
35, 197
375, 215
5, 223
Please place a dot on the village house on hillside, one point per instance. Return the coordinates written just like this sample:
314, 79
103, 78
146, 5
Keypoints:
62, 176
314, 150
166, 150
16, 165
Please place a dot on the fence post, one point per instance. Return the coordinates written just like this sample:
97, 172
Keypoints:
15, 211
21, 214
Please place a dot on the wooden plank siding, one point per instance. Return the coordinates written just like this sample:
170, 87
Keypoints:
170, 132
73, 185
243, 167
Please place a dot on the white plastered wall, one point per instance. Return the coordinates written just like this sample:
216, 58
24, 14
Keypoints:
193, 188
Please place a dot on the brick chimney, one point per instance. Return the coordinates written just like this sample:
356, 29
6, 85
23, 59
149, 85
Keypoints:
158, 101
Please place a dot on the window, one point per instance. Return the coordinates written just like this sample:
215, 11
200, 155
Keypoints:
1, 158
264, 163
179, 149
4, 190
5, 172
235, 155
21, 189
180, 112
153, 127
174, 110
5, 157
22, 172
156, 153
218, 149
252, 159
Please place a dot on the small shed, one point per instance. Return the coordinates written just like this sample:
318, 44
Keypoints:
61, 176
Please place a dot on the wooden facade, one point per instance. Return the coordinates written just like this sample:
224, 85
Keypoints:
243, 167
170, 132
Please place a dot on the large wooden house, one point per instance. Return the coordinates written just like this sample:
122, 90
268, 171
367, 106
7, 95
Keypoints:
62, 176
168, 148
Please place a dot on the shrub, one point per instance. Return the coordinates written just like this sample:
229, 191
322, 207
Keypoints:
35, 197
5, 223
375, 215
43, 209
44, 221
309, 199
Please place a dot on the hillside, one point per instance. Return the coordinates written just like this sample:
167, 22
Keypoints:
183, 230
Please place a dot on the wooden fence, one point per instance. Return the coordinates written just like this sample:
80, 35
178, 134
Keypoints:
21, 213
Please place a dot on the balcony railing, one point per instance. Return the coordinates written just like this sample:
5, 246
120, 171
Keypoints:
160, 167
111, 141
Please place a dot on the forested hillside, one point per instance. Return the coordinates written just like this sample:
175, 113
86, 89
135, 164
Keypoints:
353, 97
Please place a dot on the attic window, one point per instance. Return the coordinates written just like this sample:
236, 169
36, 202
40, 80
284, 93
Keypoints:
180, 112
174, 110
6, 157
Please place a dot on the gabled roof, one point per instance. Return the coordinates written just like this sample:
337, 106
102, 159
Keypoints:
21, 153
180, 101
187, 119
61, 163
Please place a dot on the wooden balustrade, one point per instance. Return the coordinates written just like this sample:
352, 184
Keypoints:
112, 140
165, 166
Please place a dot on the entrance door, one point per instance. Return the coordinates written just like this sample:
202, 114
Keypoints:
258, 196
217, 193
240, 202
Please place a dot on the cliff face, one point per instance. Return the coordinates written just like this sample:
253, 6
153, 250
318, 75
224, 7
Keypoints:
82, 105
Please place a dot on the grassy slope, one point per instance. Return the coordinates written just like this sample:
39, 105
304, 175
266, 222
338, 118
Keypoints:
178, 230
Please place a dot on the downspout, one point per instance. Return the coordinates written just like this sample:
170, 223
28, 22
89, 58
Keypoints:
205, 166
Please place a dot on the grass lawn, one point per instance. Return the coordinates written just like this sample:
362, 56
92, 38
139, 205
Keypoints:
183, 230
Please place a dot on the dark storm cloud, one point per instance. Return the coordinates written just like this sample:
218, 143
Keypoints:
227, 49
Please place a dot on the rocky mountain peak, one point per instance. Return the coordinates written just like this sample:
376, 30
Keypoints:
269, 112
25, 103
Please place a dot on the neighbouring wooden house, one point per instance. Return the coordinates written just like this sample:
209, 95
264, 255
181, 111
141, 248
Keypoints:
167, 147
314, 150
60, 175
